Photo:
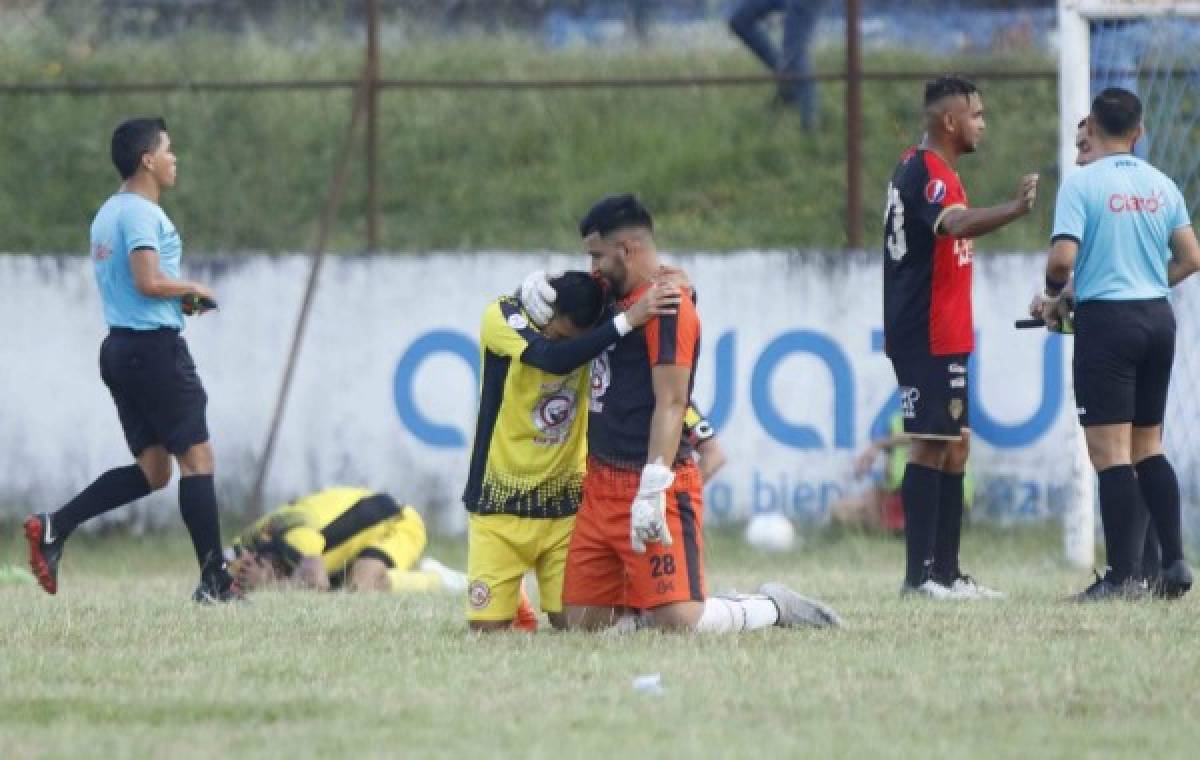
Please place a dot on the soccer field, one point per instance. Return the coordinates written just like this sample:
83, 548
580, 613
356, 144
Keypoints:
121, 664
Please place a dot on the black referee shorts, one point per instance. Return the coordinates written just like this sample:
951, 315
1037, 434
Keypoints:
933, 395
1123, 356
154, 384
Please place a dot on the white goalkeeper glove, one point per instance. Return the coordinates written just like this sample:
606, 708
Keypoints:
648, 515
537, 296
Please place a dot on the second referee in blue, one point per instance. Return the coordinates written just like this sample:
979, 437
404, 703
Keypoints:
1123, 227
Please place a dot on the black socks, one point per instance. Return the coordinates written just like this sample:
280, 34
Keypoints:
1120, 505
1160, 489
921, 493
113, 489
1151, 563
198, 506
949, 528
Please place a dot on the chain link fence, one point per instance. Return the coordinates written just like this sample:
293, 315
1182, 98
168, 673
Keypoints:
495, 122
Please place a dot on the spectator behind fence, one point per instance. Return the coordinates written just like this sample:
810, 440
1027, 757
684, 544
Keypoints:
799, 20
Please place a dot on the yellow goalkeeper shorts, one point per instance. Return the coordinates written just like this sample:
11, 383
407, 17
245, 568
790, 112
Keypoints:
501, 549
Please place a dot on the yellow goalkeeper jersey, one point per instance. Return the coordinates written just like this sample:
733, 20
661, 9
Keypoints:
530, 443
339, 525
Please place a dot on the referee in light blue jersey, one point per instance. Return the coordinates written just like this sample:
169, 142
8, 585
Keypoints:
1124, 227
145, 363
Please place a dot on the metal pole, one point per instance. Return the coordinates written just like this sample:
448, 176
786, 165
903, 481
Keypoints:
372, 151
854, 216
332, 202
1074, 101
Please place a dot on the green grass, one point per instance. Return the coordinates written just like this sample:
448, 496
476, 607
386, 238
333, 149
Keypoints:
485, 169
121, 665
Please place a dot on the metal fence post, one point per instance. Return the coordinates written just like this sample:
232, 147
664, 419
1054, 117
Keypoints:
854, 211
333, 202
372, 135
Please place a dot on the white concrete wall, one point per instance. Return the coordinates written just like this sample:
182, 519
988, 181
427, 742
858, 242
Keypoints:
58, 428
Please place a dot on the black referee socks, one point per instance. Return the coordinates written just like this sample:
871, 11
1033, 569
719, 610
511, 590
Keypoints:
113, 489
1151, 564
920, 492
1160, 487
198, 506
1120, 503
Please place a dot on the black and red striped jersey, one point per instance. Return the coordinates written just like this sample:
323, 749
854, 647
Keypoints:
622, 400
926, 275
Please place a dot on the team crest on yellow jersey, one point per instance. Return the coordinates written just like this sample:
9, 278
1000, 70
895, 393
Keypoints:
479, 595
554, 412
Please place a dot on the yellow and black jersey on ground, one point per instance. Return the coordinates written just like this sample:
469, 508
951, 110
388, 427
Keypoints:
530, 444
339, 525
696, 427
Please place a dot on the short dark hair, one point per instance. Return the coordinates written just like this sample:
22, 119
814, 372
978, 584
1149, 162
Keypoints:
942, 87
616, 212
133, 139
579, 297
1117, 111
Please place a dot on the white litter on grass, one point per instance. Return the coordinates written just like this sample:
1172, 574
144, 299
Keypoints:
650, 683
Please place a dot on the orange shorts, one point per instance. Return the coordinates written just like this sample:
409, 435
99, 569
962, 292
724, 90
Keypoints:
603, 569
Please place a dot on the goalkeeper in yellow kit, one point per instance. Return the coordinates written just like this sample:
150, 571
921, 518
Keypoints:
350, 538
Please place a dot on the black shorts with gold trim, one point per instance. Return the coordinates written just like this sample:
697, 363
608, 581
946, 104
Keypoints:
934, 398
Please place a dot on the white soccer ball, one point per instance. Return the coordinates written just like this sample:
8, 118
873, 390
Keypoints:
771, 532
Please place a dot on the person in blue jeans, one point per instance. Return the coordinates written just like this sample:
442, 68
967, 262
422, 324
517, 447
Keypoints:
799, 20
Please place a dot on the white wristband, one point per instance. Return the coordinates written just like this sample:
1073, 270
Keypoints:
621, 322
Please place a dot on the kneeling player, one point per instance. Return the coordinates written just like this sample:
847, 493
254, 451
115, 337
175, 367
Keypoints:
347, 538
528, 457
639, 535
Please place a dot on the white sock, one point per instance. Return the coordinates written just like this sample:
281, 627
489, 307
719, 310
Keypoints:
744, 613
451, 579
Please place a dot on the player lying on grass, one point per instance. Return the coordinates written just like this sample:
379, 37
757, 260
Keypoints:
348, 538
527, 461
637, 550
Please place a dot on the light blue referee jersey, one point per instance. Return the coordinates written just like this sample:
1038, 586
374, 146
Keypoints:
1121, 211
125, 222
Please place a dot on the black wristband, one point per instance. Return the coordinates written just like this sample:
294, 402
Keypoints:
1054, 287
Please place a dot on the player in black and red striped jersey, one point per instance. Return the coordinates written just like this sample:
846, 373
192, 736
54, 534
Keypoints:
928, 329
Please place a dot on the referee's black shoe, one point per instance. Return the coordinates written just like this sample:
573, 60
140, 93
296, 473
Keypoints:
45, 551
1105, 588
217, 586
1174, 581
